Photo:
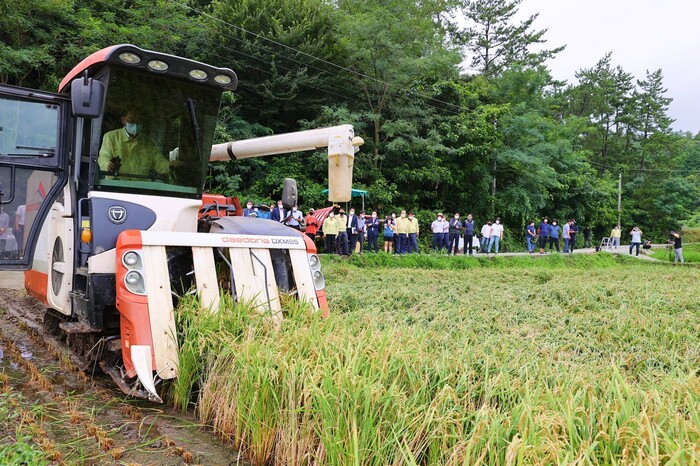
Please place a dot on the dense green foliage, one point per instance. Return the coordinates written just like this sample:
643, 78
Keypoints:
580, 359
501, 138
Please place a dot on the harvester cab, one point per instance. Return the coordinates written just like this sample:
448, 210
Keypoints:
105, 182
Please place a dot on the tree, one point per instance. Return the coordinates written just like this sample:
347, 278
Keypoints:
495, 44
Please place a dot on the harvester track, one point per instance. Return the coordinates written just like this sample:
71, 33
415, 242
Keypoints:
78, 417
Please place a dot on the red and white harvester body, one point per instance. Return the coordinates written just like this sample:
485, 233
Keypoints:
111, 254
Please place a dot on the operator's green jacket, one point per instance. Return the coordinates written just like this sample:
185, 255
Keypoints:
139, 155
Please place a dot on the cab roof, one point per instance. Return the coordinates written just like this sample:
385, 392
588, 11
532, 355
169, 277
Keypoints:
177, 67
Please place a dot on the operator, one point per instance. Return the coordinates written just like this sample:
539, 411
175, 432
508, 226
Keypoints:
127, 150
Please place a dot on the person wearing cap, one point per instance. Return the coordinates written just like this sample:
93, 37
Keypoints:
402, 230
342, 238
372, 225
330, 231
469, 227
311, 225
456, 227
496, 234
485, 235
412, 233
438, 227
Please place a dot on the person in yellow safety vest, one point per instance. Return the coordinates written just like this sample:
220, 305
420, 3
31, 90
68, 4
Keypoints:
330, 230
342, 245
615, 235
412, 233
402, 230
127, 151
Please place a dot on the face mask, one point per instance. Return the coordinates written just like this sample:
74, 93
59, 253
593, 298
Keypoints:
250, 206
279, 205
497, 222
331, 215
374, 215
133, 128
352, 212
294, 209
403, 215
457, 217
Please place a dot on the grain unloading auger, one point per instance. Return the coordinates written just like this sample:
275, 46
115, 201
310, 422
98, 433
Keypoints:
110, 243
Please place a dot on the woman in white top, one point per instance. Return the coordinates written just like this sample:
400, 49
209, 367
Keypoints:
636, 239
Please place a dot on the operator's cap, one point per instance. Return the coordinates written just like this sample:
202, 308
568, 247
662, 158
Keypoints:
440, 214
312, 210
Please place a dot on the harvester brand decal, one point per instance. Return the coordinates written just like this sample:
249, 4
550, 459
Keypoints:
245, 239
258, 240
116, 214
285, 241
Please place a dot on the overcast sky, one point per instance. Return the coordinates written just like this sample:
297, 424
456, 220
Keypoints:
642, 35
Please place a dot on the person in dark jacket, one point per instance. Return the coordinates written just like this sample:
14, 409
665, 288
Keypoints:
587, 237
543, 231
352, 230
456, 228
278, 214
469, 227
372, 225
573, 231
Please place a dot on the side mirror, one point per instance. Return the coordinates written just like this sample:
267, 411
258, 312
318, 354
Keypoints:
87, 97
289, 193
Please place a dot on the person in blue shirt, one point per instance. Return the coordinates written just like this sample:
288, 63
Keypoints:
543, 231
249, 209
554, 235
530, 236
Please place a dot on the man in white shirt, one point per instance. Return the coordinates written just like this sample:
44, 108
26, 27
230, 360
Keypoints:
295, 218
496, 234
439, 227
485, 236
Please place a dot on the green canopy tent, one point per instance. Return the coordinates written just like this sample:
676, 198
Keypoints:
355, 193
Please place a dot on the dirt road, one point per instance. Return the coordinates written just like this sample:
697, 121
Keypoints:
47, 401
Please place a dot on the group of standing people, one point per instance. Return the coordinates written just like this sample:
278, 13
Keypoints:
344, 232
552, 233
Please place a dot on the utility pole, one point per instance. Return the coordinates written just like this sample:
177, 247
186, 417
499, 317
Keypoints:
619, 198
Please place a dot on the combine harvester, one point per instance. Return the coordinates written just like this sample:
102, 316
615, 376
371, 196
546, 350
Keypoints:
110, 252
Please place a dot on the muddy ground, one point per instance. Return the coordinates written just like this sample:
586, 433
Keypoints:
79, 417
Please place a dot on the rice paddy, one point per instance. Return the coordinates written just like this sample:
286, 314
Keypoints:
459, 361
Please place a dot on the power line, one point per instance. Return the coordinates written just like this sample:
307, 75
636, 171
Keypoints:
340, 67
